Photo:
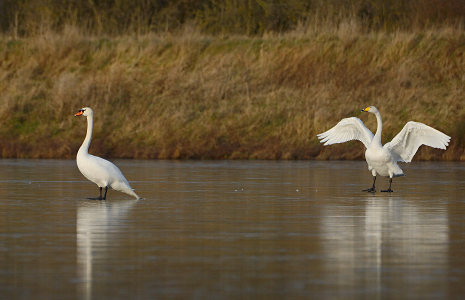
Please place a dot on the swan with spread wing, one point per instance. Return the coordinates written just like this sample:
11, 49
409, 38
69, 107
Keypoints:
382, 160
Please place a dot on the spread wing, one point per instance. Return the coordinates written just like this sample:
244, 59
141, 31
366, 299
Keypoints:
346, 130
406, 143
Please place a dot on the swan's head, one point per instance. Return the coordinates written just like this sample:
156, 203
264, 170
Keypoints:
85, 111
370, 109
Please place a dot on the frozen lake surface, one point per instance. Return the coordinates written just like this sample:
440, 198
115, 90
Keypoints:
232, 229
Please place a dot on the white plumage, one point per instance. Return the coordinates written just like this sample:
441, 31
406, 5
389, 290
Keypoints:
346, 130
406, 143
98, 170
382, 160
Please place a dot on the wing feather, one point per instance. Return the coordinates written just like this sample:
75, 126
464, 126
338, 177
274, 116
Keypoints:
406, 143
346, 130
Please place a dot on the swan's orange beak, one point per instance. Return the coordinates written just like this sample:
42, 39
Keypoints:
79, 113
366, 109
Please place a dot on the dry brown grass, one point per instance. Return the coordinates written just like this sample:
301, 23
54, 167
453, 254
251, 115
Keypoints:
189, 95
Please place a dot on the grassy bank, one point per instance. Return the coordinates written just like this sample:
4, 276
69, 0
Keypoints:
189, 95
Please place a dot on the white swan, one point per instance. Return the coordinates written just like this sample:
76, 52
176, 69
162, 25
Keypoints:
382, 160
98, 170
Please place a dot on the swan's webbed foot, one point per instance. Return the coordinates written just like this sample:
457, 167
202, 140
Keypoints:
372, 189
100, 197
389, 190
97, 198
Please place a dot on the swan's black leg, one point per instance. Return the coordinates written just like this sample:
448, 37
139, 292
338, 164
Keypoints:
104, 196
372, 189
389, 189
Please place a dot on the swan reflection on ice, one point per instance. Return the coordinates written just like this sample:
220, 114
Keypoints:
97, 224
385, 245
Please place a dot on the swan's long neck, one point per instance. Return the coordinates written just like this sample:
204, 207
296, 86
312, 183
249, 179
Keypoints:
379, 129
85, 145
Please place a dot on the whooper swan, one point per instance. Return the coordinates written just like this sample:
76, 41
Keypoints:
98, 170
382, 160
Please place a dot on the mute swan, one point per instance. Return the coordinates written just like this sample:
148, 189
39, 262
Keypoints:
382, 160
98, 170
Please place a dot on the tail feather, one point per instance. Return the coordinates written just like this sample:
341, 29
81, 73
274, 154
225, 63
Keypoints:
125, 188
132, 193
